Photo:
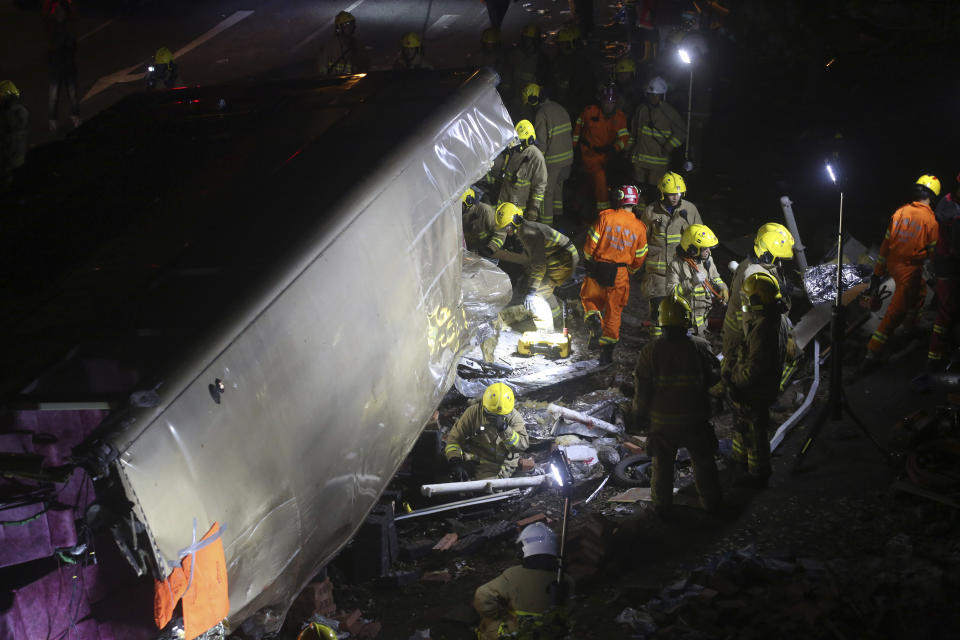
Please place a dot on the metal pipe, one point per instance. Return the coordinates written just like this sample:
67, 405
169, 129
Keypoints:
576, 416
798, 247
597, 490
488, 484
790, 422
686, 152
447, 506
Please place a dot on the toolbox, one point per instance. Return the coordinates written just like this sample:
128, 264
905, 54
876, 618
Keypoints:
552, 345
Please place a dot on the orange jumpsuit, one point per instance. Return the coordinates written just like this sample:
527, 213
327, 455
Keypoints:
910, 239
596, 134
620, 238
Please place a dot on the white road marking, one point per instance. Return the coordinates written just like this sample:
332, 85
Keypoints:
442, 23
94, 30
125, 75
323, 29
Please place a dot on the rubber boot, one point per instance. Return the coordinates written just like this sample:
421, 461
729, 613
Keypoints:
606, 354
595, 325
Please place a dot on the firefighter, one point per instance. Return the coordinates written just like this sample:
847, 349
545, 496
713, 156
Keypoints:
480, 225
666, 220
164, 73
14, 126
491, 52
571, 80
521, 172
615, 248
489, 435
345, 54
910, 239
411, 53
525, 64
754, 380
629, 91
599, 131
946, 263
514, 603
655, 131
693, 275
551, 124
553, 257
671, 393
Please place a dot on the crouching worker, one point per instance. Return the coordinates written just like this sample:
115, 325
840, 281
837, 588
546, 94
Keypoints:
514, 603
671, 393
489, 435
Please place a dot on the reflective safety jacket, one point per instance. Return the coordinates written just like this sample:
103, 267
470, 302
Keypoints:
910, 239
617, 237
758, 366
554, 135
544, 246
344, 58
733, 329
689, 278
597, 132
654, 133
416, 62
663, 235
480, 228
522, 173
672, 381
474, 437
514, 600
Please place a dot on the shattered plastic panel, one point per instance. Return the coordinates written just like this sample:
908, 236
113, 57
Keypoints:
328, 382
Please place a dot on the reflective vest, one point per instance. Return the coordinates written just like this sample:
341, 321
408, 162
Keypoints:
663, 236
472, 437
654, 132
554, 135
544, 246
688, 280
910, 239
618, 237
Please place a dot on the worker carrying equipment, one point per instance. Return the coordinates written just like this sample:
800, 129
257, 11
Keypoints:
517, 602
599, 131
554, 138
911, 238
490, 434
671, 393
754, 379
656, 129
480, 231
553, 258
693, 274
164, 73
665, 219
521, 173
615, 248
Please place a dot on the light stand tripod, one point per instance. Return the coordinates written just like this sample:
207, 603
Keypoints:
836, 403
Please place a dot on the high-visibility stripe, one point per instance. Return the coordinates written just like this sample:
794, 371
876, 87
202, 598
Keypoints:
452, 449
514, 439
648, 159
556, 158
938, 329
538, 196
933, 355
623, 132
603, 205
496, 242
879, 336
594, 234
642, 251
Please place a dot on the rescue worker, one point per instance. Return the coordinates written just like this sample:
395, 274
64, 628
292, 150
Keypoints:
554, 138
571, 80
490, 435
629, 90
525, 64
521, 172
480, 225
411, 53
491, 53
62, 58
666, 219
754, 379
514, 603
693, 275
671, 393
946, 266
599, 131
553, 257
164, 73
14, 126
910, 239
345, 54
655, 131
615, 248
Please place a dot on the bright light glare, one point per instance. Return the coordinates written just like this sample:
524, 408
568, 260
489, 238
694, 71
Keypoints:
833, 177
555, 474
150, 69
684, 56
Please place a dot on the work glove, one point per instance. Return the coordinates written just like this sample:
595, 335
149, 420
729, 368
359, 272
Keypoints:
458, 470
485, 252
725, 295
529, 302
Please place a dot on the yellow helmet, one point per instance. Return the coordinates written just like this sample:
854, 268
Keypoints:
674, 311
762, 285
531, 94
317, 631
343, 18
774, 241
526, 132
508, 213
163, 56
697, 237
672, 183
469, 197
930, 182
411, 40
7, 88
625, 65
498, 399
490, 36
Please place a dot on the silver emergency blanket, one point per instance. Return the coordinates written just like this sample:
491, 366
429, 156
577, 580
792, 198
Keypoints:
330, 376
820, 281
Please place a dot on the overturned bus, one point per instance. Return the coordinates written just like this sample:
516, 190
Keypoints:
260, 289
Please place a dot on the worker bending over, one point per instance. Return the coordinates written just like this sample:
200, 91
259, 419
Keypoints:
480, 230
490, 434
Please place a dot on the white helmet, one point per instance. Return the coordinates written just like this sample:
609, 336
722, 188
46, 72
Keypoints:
657, 85
538, 539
